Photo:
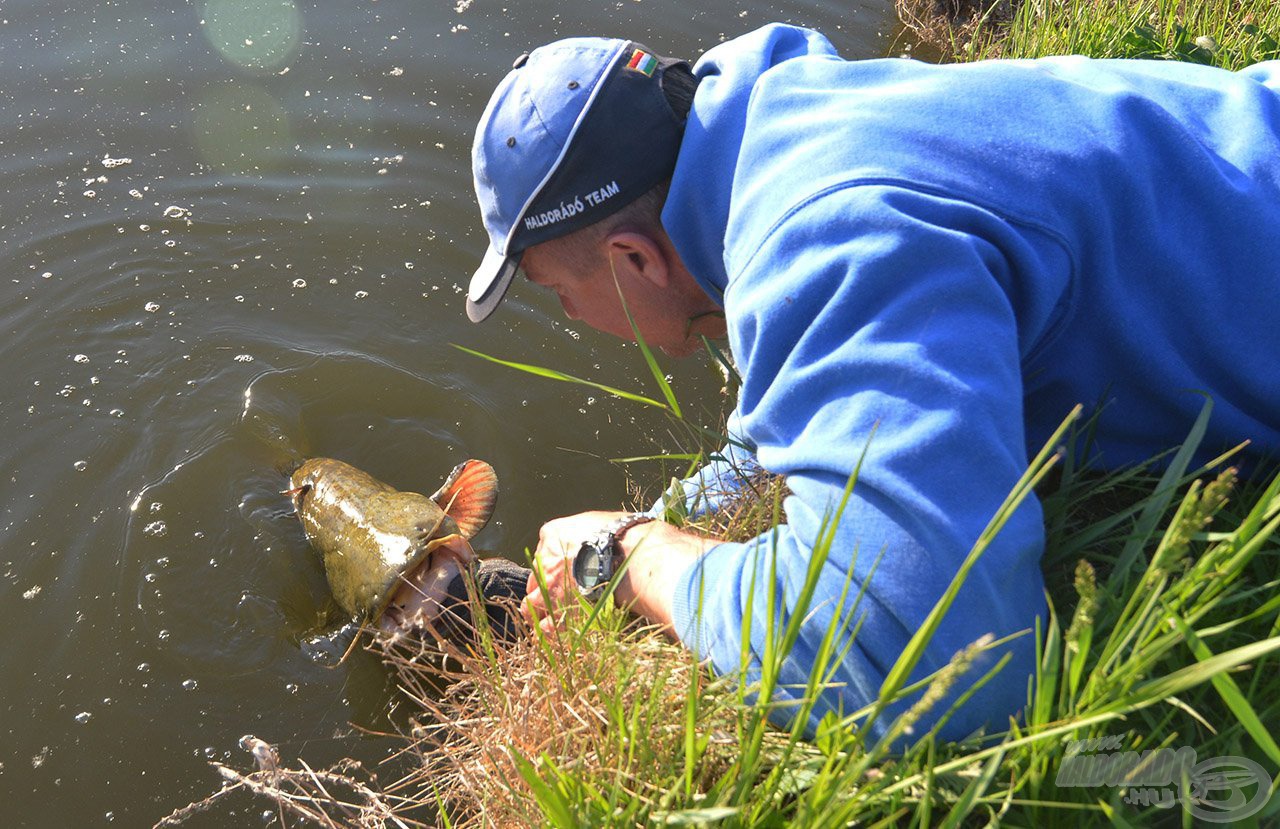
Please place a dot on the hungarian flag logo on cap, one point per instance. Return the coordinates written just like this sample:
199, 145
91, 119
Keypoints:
642, 61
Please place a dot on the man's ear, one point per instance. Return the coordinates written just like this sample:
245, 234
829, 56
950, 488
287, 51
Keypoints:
638, 255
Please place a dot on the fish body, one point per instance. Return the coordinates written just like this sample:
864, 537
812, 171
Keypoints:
378, 543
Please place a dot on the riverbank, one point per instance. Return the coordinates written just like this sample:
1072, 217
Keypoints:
1231, 34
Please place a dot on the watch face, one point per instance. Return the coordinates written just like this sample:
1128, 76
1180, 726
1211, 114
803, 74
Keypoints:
588, 567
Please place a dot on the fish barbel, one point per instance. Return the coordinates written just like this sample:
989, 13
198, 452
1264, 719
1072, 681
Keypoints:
390, 555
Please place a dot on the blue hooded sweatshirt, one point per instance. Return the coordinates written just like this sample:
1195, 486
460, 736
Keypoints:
951, 258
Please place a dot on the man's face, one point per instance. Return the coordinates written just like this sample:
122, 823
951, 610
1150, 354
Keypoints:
592, 297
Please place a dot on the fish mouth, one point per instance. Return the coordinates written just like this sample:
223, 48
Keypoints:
424, 594
296, 495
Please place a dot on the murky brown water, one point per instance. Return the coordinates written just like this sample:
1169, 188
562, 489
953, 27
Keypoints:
235, 232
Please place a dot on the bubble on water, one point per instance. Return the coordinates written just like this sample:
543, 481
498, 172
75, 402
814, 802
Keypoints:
32, 592
46, 275
149, 577
137, 194
89, 194
396, 72
80, 466
156, 506
144, 667
173, 211
116, 412
210, 752
162, 635
299, 283
83, 717
81, 358
110, 816
361, 294
291, 687
151, 307
156, 529
408, 266
189, 684
144, 228
244, 358
38, 760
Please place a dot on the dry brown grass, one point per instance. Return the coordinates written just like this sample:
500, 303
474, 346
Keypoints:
343, 796
567, 699
947, 28
605, 705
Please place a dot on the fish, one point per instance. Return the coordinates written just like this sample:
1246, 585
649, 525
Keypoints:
390, 555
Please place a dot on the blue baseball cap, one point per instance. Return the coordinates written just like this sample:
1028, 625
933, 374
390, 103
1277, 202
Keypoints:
577, 130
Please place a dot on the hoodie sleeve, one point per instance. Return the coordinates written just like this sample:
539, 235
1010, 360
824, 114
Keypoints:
877, 318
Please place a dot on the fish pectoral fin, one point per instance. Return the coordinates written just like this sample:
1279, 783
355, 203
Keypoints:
468, 496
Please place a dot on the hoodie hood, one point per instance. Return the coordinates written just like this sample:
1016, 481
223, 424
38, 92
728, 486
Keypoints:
696, 214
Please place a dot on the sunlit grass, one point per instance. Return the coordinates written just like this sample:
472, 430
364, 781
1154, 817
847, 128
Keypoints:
1228, 33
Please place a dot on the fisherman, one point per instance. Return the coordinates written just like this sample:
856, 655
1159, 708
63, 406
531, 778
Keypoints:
920, 270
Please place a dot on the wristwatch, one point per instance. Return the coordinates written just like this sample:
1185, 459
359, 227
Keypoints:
594, 562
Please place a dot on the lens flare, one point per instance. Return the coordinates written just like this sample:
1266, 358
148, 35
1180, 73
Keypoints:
258, 35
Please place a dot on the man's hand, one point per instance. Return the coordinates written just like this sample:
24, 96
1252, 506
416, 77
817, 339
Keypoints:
656, 554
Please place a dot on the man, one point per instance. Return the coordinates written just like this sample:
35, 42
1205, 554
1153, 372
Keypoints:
931, 263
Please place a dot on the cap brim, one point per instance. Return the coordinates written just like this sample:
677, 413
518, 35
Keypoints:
489, 284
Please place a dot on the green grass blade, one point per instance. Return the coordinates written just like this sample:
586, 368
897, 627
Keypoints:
1231, 695
1180, 680
659, 375
960, 811
552, 374
554, 805
724, 361
1165, 490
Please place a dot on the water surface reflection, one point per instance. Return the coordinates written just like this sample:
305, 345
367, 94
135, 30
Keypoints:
236, 232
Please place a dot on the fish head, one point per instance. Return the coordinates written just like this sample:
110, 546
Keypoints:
305, 480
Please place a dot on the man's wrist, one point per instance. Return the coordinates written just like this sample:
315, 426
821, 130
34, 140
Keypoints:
620, 527
598, 557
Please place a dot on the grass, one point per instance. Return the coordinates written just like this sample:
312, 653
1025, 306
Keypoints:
1228, 33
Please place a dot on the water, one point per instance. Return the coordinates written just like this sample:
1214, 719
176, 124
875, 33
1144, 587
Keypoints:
234, 233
